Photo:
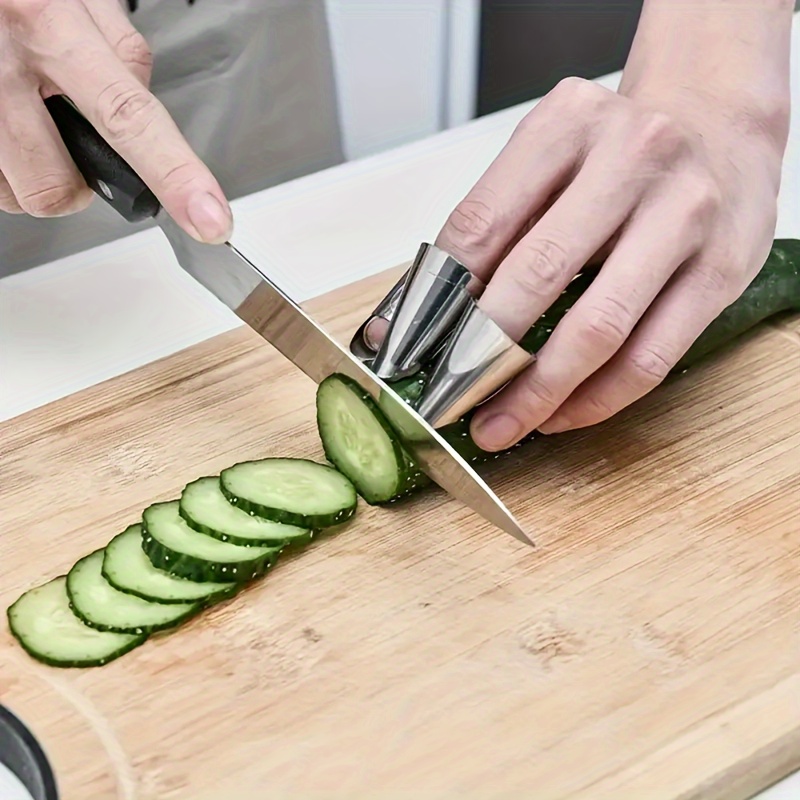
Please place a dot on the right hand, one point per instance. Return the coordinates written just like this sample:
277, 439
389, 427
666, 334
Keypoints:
89, 51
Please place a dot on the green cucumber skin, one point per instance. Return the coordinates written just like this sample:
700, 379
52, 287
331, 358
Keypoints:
87, 663
409, 475
193, 612
195, 569
774, 290
205, 602
74, 664
196, 609
150, 629
287, 517
286, 544
320, 521
295, 541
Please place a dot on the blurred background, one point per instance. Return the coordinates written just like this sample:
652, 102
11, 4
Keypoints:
409, 69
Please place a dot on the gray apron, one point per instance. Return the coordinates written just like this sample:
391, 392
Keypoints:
250, 84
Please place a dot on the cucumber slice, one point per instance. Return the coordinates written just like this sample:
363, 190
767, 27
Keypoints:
46, 628
409, 429
361, 443
99, 605
172, 545
207, 510
127, 568
293, 491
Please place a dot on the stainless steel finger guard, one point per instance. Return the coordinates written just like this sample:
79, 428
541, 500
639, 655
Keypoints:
433, 317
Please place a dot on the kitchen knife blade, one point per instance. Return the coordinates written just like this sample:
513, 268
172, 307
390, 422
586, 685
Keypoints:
238, 283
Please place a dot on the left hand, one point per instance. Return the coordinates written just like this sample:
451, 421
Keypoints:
676, 187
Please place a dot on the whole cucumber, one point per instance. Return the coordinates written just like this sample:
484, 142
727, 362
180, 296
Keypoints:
775, 289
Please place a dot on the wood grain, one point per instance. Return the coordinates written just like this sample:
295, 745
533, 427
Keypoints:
648, 648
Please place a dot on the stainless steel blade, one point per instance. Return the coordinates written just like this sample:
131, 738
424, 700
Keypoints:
241, 286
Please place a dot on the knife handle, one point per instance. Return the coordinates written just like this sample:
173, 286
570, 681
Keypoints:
104, 170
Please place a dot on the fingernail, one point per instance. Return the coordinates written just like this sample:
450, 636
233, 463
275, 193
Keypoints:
209, 218
375, 333
497, 432
555, 424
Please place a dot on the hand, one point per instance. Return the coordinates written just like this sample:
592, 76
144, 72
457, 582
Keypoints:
676, 187
88, 50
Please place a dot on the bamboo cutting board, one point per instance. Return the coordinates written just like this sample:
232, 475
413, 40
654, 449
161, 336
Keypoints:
648, 648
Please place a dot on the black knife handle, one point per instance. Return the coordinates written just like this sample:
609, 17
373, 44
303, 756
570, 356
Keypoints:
103, 169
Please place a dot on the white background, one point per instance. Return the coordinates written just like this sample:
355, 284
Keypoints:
404, 69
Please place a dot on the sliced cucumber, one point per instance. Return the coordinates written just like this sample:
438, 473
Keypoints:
409, 429
99, 605
172, 545
42, 622
127, 568
293, 491
361, 443
207, 510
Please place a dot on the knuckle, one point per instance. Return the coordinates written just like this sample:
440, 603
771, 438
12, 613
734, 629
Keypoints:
51, 200
133, 48
126, 110
535, 395
573, 103
657, 137
595, 409
705, 194
26, 10
650, 365
607, 326
472, 223
178, 176
703, 199
574, 90
715, 278
545, 267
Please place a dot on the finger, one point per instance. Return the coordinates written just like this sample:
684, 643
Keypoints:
544, 151
8, 201
36, 165
682, 312
129, 45
135, 124
658, 239
578, 225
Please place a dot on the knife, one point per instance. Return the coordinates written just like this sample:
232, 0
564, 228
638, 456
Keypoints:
238, 283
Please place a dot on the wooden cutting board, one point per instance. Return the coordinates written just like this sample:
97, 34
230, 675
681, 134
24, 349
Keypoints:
648, 648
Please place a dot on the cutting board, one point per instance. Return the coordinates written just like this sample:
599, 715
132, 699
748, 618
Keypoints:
649, 647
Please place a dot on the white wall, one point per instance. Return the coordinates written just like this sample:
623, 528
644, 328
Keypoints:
404, 69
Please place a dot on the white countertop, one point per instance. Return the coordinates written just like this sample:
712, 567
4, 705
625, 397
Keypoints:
11, 788
81, 320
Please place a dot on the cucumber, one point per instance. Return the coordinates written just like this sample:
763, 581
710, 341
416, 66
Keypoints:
359, 441
46, 628
128, 569
206, 509
293, 491
173, 546
776, 289
409, 429
99, 605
